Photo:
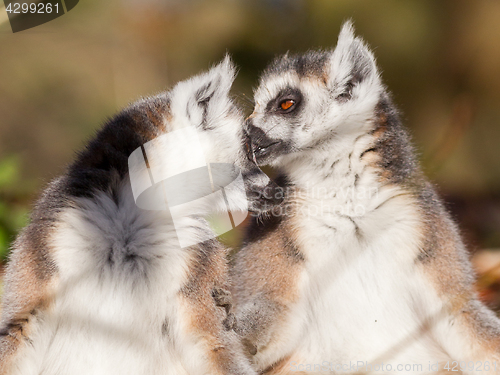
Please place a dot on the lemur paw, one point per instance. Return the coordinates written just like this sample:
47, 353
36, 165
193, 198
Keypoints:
249, 347
229, 322
222, 297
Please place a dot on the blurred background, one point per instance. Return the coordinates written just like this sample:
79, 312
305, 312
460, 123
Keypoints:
441, 59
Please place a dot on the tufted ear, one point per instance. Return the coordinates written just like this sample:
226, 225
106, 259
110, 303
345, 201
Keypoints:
205, 97
217, 81
351, 62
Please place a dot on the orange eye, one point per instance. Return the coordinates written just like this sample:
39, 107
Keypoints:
286, 104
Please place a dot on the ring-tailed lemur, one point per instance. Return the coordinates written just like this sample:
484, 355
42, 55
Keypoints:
362, 265
96, 285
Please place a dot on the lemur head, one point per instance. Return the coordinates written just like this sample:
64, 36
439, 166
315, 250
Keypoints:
320, 98
203, 103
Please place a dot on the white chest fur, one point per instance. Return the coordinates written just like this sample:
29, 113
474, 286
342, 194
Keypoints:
364, 297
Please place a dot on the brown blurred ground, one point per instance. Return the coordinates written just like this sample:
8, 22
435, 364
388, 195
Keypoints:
441, 59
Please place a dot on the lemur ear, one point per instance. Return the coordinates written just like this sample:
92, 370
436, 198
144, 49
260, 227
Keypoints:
218, 81
204, 97
352, 61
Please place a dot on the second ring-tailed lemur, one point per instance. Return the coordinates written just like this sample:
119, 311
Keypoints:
362, 264
97, 285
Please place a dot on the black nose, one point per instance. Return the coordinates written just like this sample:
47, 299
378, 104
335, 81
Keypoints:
258, 141
253, 131
257, 136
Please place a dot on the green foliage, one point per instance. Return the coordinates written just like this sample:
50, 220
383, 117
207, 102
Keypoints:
9, 171
13, 211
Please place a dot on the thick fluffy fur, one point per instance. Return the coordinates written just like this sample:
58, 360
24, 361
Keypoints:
362, 264
96, 285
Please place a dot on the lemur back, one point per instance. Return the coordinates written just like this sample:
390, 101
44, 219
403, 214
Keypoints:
362, 265
97, 285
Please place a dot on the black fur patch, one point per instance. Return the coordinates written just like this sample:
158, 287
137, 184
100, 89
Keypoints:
203, 96
257, 230
346, 95
309, 64
205, 93
106, 156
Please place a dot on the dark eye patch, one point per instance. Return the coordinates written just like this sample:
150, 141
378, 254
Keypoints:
287, 93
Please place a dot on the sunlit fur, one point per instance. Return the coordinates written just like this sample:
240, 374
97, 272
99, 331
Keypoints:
365, 264
96, 285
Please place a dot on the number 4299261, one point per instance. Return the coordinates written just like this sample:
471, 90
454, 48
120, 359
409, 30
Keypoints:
32, 8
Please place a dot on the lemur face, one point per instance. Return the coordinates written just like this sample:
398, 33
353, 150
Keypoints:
305, 101
203, 103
